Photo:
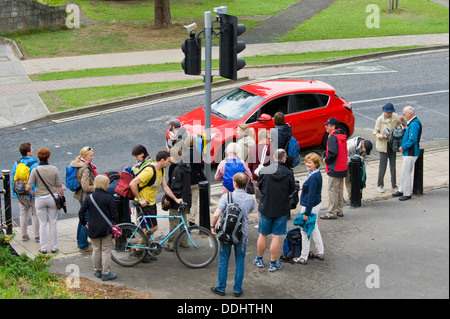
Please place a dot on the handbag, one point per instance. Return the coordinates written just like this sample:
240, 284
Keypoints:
261, 163
59, 201
115, 229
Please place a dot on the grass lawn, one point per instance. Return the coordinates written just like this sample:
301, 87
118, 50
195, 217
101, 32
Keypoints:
347, 19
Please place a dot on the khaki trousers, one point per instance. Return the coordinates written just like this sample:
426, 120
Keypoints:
335, 196
101, 254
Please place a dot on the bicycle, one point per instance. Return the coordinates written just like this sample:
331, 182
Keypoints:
131, 248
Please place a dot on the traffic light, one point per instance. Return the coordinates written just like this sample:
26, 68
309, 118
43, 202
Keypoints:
192, 62
229, 64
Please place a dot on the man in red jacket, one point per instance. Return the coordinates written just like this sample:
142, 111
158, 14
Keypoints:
336, 168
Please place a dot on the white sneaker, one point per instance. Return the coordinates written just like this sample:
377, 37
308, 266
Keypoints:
380, 189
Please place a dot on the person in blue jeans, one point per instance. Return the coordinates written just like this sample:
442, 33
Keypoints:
247, 203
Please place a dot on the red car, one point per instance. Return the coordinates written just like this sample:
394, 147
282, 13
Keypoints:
307, 105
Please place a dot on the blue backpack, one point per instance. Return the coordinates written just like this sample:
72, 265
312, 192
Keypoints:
72, 182
292, 245
232, 167
293, 152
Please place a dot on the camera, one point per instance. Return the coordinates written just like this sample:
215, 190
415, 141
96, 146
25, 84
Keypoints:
191, 27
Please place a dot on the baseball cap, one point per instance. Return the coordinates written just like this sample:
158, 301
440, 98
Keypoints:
368, 145
332, 121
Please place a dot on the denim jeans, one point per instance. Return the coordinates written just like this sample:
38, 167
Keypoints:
82, 233
225, 253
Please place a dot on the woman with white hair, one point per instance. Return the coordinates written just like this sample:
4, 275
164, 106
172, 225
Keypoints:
229, 166
99, 229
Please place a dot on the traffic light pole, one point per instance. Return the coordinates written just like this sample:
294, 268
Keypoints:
208, 80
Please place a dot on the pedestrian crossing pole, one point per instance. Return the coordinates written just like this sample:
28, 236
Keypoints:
208, 80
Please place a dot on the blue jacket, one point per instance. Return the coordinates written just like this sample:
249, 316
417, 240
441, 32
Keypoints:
26, 160
311, 192
411, 138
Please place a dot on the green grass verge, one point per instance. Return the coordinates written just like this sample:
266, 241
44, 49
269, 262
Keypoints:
251, 61
72, 98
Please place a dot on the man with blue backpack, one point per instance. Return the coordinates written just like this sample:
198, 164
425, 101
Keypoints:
20, 173
281, 138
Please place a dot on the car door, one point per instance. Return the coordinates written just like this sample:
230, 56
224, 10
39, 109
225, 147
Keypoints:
306, 115
278, 104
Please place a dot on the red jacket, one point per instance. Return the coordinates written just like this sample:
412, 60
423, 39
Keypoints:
336, 154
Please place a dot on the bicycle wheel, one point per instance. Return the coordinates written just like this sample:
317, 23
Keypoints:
124, 248
199, 254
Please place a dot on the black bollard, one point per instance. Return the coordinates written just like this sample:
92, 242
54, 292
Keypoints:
418, 175
7, 195
203, 188
355, 170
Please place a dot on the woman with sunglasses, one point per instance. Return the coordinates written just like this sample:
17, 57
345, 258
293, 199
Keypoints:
86, 173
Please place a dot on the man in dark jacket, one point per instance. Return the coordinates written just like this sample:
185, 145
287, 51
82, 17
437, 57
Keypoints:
281, 133
336, 168
276, 183
180, 184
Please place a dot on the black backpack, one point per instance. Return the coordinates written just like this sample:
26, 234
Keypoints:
229, 230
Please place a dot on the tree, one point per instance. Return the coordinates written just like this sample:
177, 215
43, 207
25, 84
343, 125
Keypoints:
162, 15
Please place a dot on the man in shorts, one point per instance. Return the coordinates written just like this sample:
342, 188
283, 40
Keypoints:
145, 186
276, 183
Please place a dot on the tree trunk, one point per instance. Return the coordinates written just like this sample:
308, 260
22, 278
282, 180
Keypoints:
162, 15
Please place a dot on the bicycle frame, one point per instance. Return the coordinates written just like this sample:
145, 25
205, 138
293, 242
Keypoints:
144, 219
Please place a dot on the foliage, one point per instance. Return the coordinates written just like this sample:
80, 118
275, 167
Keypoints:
26, 278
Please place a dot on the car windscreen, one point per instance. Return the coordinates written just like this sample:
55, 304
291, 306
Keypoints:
235, 104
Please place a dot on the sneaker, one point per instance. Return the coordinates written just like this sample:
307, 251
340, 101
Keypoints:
258, 262
397, 194
25, 238
274, 267
109, 276
98, 274
380, 189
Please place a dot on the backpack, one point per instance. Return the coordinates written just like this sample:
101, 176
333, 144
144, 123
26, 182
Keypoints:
232, 167
396, 139
293, 152
123, 186
229, 230
21, 177
292, 245
72, 181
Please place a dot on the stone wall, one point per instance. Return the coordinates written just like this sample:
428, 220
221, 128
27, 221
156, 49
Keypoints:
28, 14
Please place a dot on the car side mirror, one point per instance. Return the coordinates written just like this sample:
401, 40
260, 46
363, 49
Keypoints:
265, 117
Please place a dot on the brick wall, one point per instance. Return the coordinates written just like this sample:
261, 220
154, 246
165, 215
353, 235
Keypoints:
28, 14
